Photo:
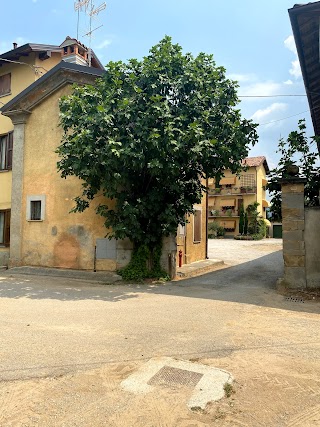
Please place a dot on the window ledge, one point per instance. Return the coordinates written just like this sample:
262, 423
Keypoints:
35, 220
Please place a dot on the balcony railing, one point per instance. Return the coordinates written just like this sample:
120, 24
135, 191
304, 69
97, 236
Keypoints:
225, 213
232, 191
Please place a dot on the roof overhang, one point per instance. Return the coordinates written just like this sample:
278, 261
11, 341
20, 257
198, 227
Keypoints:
26, 49
305, 22
62, 74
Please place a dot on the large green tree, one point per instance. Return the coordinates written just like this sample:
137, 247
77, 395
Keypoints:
296, 150
146, 134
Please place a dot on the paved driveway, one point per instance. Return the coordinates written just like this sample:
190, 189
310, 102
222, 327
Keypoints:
66, 346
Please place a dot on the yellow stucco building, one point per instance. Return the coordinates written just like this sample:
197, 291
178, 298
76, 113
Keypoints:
19, 69
43, 232
226, 199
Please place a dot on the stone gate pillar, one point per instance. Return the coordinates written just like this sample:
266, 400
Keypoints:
293, 224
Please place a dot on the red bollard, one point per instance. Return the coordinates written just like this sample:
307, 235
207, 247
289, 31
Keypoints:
180, 258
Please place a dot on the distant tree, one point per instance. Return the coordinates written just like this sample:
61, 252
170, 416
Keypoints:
144, 136
296, 150
241, 220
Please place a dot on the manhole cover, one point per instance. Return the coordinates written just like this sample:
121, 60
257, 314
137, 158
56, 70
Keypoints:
170, 376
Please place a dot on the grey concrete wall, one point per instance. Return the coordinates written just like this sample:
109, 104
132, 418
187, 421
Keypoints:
293, 224
19, 120
4, 258
168, 258
169, 254
312, 246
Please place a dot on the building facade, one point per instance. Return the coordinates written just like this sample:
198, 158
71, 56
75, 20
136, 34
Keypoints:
233, 192
19, 69
43, 232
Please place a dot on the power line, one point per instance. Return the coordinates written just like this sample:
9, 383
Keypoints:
284, 118
266, 96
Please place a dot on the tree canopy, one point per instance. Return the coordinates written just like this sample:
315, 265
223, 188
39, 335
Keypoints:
296, 150
146, 134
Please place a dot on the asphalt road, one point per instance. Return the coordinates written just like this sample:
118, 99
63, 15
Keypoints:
51, 326
66, 345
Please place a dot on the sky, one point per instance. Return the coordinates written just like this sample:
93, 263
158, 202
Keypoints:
251, 39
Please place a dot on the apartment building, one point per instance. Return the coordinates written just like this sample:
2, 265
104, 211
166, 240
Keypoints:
233, 192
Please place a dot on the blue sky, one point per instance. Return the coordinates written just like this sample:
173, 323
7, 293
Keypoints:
251, 39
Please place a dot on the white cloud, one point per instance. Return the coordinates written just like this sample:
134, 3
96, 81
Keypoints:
290, 44
288, 82
103, 44
261, 89
269, 113
295, 70
242, 77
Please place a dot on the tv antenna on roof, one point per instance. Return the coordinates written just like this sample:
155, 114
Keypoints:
92, 12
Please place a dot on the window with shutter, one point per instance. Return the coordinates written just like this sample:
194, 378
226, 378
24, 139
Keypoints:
6, 149
9, 150
36, 207
5, 227
5, 84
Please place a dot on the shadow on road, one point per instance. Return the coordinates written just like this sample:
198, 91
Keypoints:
252, 282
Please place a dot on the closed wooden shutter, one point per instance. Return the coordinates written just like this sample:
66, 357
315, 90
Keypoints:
9, 150
7, 218
197, 219
5, 84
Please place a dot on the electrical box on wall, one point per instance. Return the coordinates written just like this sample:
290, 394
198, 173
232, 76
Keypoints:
106, 249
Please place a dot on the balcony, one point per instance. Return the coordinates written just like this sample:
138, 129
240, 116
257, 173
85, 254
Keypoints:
222, 213
233, 191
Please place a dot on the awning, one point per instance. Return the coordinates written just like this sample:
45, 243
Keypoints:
228, 224
228, 181
265, 203
228, 202
264, 182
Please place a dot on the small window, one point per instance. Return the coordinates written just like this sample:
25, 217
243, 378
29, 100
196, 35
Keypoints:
5, 227
197, 225
35, 208
6, 148
5, 84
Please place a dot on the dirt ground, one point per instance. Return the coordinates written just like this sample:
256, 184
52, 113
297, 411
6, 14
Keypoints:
58, 375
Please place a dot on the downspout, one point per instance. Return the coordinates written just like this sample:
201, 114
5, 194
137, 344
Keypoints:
256, 184
207, 208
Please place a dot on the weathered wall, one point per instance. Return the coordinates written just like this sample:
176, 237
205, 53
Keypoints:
312, 246
62, 239
5, 189
21, 77
195, 251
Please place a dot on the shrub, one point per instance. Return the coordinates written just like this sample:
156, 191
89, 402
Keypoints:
215, 230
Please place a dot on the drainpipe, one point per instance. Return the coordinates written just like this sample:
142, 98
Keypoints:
256, 184
207, 208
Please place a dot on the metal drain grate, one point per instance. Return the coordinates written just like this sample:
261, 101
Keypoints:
169, 376
294, 299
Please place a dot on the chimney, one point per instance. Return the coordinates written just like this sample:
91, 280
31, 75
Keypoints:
15, 45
